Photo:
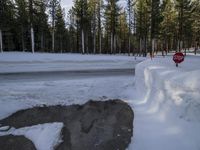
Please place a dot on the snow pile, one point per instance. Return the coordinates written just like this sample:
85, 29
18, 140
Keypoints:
44, 136
52, 57
11, 62
162, 86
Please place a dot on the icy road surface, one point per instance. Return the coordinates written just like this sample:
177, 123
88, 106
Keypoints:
63, 75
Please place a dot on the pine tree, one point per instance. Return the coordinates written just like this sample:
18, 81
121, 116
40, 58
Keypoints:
53, 4
155, 21
196, 23
143, 24
168, 25
6, 20
81, 12
22, 19
123, 30
111, 16
60, 27
183, 8
99, 18
41, 22
130, 4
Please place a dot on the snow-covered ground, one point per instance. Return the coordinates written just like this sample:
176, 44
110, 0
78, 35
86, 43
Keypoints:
167, 105
165, 99
28, 62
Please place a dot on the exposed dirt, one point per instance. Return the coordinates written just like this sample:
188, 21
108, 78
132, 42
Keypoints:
95, 125
11, 142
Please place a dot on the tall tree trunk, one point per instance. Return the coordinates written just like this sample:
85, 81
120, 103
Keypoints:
100, 48
153, 43
61, 44
141, 46
111, 44
115, 44
83, 41
42, 42
94, 49
53, 26
99, 26
77, 48
129, 28
22, 38
31, 25
1, 41
53, 40
32, 40
129, 45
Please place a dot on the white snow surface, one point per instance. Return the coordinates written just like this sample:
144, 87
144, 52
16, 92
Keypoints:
166, 103
44, 136
165, 99
11, 62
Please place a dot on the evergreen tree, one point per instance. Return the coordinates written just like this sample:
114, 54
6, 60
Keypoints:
111, 16
196, 23
60, 28
6, 23
81, 12
22, 19
143, 10
155, 21
123, 30
53, 4
41, 23
168, 25
183, 8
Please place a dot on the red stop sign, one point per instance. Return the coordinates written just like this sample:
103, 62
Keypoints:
178, 57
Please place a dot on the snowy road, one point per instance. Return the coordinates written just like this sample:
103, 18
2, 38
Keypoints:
60, 75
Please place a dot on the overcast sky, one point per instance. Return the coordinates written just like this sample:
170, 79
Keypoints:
67, 4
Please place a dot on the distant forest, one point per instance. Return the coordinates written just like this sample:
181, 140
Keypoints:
99, 26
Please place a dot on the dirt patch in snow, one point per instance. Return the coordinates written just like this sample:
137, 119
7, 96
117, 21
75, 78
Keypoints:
95, 125
11, 142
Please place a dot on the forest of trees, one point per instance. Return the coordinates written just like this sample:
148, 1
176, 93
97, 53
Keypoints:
99, 26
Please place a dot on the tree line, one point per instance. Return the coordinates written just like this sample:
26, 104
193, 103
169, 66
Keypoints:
100, 26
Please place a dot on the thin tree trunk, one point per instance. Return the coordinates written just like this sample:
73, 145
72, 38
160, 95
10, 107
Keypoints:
111, 46
153, 46
53, 25
42, 42
22, 38
32, 40
140, 46
115, 46
61, 44
129, 45
83, 41
94, 49
1, 41
100, 49
129, 28
53, 40
99, 26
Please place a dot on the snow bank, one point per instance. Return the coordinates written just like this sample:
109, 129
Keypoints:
52, 57
11, 62
44, 136
162, 86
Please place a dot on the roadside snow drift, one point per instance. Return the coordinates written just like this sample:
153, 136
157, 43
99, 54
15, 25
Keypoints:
163, 86
12, 62
166, 103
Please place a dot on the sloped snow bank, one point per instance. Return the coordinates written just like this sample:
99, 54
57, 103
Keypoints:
162, 86
44, 136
